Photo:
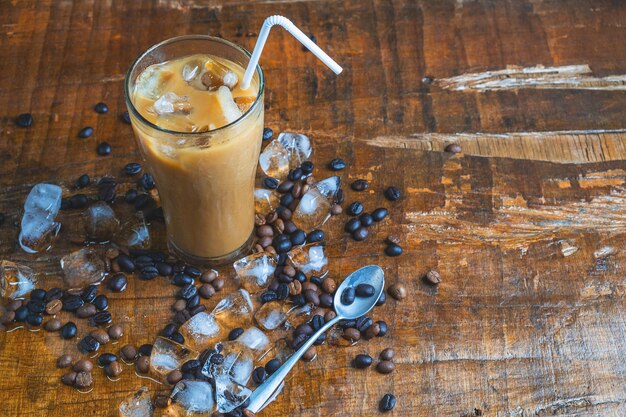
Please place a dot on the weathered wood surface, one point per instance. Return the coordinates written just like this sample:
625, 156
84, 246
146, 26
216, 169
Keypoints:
527, 227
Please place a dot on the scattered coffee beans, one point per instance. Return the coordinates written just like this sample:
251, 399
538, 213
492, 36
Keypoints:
393, 250
387, 354
129, 353
347, 296
387, 403
362, 361
142, 364
267, 133
355, 208
85, 132
68, 330
24, 120
385, 367
116, 331
397, 291
432, 277
101, 108
64, 361
336, 164
360, 185
364, 290
393, 194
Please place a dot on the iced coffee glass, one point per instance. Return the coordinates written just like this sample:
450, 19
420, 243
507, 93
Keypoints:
201, 137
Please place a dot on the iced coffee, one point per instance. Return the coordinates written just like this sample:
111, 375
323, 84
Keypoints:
201, 136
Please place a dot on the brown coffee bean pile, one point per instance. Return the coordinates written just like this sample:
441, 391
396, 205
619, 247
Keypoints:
80, 375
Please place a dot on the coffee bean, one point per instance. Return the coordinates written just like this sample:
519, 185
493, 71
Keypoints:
383, 328
141, 201
285, 187
101, 302
363, 323
193, 302
312, 297
340, 196
364, 290
336, 210
82, 181
85, 132
299, 340
282, 292
125, 117
147, 181
68, 330
83, 380
142, 364
114, 369
386, 355
103, 149
79, 201
272, 366
355, 208
117, 283
366, 220
307, 167
317, 322
149, 272
393, 194
181, 280
100, 318
192, 271
65, 204
385, 367
69, 378
397, 291
208, 276
34, 319
106, 358
351, 334
24, 120
86, 310
289, 227
174, 377
116, 331
64, 361
265, 231
53, 294
382, 299
326, 300
72, 303
315, 235
125, 263
100, 335
362, 361
217, 359
235, 333
132, 168
38, 294
360, 234
187, 292
329, 285
352, 225
101, 108
218, 284
286, 200
297, 237
453, 148
268, 296
295, 287
267, 133
89, 294
145, 349
387, 403
129, 353
282, 243
295, 174
21, 313
284, 213
393, 250
206, 291
337, 164
347, 296
270, 183
191, 365
36, 306
432, 277
379, 214
8, 317
179, 305
53, 325
88, 344
359, 185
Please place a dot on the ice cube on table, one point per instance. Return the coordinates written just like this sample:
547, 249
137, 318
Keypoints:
82, 268
328, 187
16, 281
170, 103
271, 315
312, 211
265, 201
137, 405
134, 233
201, 331
280, 350
274, 160
309, 259
298, 146
230, 111
229, 394
153, 81
38, 228
298, 315
238, 362
254, 271
254, 339
234, 310
193, 397
45, 198
101, 224
168, 355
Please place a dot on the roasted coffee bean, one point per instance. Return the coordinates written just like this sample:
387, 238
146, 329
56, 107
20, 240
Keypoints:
217, 359
329, 315
310, 354
284, 213
299, 340
362, 361
145, 349
104, 149
347, 296
88, 344
126, 264
235, 333
192, 271
304, 328
85, 132
206, 291
372, 331
53, 294
336, 210
53, 325
265, 231
307, 167
193, 302
174, 377
312, 297
315, 236
317, 322
393, 194
34, 319
149, 272
272, 366
387, 403
179, 305
379, 214
385, 367
82, 181
387, 354
132, 168
168, 330
285, 187
147, 181
13, 305
182, 280
329, 285
298, 300
65, 204
79, 201
125, 117
72, 303
382, 299
282, 243
393, 250
69, 378
271, 183
268, 296
106, 358
383, 328
282, 292
352, 225
366, 220
259, 375
295, 174
64, 361
336, 164
116, 331
141, 201
101, 302
191, 365
351, 334
297, 237
340, 196
432, 277
101, 108
284, 279
326, 300
36, 306
165, 269
355, 208
267, 133
359, 185
142, 364
364, 290
218, 284
24, 120
114, 369
299, 276
143, 260
453, 148
89, 294
286, 199
117, 283
21, 313
106, 192
37, 294
8, 317
68, 330
289, 227
363, 323
86, 310
83, 380
129, 353
100, 318
397, 291
360, 234
295, 287
187, 292
101, 336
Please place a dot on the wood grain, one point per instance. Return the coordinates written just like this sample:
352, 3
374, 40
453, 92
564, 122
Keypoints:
527, 226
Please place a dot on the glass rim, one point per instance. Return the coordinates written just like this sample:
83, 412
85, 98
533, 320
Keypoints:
135, 112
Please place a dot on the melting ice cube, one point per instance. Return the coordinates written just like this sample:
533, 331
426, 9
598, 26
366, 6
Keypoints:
218, 75
271, 315
193, 397
298, 315
238, 363
168, 355
45, 198
152, 82
16, 281
229, 108
137, 405
265, 201
170, 103
82, 268
229, 394
134, 233
234, 310
201, 331
328, 186
254, 338
310, 259
244, 102
274, 160
255, 270
100, 222
38, 228
312, 211
298, 146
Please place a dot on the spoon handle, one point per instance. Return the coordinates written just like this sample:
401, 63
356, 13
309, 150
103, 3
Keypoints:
265, 390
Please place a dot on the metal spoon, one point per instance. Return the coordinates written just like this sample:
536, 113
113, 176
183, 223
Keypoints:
372, 275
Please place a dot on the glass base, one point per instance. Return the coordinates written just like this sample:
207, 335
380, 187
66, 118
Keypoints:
239, 253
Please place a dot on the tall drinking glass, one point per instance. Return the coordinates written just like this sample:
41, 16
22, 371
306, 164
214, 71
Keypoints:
206, 179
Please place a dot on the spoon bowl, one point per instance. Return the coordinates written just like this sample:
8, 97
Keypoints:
372, 275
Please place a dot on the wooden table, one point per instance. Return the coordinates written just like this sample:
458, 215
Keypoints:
526, 226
